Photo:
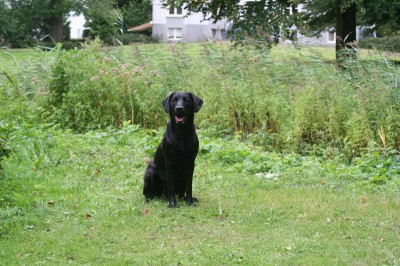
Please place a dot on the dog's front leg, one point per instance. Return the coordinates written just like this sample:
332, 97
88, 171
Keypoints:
190, 200
171, 190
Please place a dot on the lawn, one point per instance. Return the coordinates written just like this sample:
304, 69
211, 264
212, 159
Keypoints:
76, 198
84, 204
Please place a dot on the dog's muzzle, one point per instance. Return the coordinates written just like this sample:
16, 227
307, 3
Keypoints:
180, 115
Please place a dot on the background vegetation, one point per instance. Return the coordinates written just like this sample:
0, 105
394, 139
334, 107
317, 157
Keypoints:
299, 162
296, 103
27, 23
391, 44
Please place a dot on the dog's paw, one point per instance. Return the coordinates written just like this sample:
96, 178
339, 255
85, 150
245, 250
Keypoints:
172, 204
191, 201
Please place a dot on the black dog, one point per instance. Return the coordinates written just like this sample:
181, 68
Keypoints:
171, 171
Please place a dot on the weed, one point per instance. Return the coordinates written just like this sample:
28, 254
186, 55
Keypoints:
295, 104
5, 136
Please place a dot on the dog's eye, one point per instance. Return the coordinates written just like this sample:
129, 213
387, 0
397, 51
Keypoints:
185, 99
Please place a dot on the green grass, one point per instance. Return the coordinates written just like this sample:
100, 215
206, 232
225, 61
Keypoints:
84, 204
77, 198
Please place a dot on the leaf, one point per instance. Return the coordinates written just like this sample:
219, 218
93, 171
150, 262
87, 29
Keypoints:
39, 162
36, 148
363, 199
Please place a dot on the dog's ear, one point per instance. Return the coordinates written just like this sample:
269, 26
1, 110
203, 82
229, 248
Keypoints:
197, 103
165, 103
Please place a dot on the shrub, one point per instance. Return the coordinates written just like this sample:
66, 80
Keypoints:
5, 136
90, 90
294, 103
391, 44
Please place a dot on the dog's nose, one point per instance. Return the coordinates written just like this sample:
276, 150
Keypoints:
179, 109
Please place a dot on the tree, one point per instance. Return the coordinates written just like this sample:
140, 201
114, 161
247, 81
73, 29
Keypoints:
100, 19
320, 15
380, 16
8, 25
134, 12
58, 9
345, 29
108, 19
264, 19
38, 18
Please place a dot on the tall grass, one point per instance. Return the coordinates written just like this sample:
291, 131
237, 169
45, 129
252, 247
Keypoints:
294, 102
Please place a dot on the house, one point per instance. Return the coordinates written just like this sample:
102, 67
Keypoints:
172, 24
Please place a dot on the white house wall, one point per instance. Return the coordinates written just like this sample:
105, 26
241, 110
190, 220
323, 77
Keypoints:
77, 25
194, 28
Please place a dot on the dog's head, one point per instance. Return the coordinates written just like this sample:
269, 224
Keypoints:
181, 106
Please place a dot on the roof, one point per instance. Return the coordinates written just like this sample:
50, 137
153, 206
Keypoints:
142, 27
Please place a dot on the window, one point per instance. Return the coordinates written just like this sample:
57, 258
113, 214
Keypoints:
331, 36
174, 34
218, 34
175, 11
292, 35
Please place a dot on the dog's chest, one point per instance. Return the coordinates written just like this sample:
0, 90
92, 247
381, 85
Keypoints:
184, 148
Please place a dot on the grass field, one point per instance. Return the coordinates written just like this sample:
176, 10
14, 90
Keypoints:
83, 204
69, 198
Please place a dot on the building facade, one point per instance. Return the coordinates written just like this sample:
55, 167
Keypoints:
77, 25
172, 24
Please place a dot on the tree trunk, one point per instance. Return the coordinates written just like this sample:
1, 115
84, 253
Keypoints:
57, 25
345, 31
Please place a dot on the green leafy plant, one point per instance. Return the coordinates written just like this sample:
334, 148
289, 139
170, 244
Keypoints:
6, 134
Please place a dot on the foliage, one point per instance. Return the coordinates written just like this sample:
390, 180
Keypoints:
101, 19
391, 44
5, 137
131, 38
109, 20
8, 24
293, 104
266, 21
263, 21
380, 16
33, 20
26, 23
105, 92
134, 12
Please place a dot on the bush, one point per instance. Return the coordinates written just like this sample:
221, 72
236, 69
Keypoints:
287, 104
136, 38
90, 90
391, 44
5, 136
66, 45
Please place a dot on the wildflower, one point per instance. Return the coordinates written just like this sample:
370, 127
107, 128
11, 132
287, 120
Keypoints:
123, 66
137, 69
